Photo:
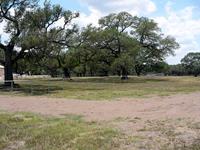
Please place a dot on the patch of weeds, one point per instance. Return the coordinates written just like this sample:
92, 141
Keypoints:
28, 131
73, 117
195, 125
170, 134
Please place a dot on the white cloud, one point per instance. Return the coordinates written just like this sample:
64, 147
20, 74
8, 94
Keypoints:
100, 8
1, 28
5, 36
92, 18
132, 6
182, 25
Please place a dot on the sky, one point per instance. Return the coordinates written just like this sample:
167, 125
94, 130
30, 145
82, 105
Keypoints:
178, 18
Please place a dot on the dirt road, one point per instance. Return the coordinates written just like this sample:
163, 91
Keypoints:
176, 106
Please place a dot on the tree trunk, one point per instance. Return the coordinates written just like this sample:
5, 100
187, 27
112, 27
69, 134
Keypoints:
52, 74
138, 73
124, 74
104, 74
138, 70
84, 70
196, 75
67, 73
8, 69
91, 73
119, 73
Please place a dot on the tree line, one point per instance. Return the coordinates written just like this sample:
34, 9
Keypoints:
121, 44
190, 65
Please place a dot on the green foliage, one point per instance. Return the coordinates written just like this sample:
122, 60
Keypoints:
123, 35
121, 43
177, 70
34, 32
123, 63
191, 62
158, 67
154, 47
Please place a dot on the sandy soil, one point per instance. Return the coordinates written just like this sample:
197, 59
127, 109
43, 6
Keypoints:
173, 107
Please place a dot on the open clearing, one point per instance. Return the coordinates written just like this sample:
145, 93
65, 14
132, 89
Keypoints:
146, 114
150, 108
167, 123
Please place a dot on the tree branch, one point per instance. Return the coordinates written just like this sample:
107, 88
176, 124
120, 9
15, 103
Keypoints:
19, 56
4, 14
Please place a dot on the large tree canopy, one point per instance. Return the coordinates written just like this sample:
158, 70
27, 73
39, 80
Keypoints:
132, 42
154, 46
45, 35
13, 15
118, 41
31, 28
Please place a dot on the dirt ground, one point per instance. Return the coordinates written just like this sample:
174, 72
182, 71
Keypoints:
176, 106
168, 123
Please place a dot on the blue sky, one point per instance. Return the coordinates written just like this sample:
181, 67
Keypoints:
178, 18
79, 5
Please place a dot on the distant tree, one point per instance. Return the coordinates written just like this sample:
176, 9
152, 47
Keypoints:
67, 61
45, 61
121, 43
154, 47
116, 39
191, 62
177, 70
87, 52
123, 65
158, 67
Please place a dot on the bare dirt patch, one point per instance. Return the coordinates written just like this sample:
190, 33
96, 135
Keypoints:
176, 106
156, 123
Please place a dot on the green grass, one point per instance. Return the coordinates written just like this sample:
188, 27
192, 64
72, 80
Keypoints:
27, 131
108, 88
24, 131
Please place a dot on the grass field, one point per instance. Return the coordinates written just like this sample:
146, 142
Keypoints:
22, 131
107, 88
27, 131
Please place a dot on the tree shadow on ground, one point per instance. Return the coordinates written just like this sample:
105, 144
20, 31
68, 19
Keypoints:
34, 90
118, 80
